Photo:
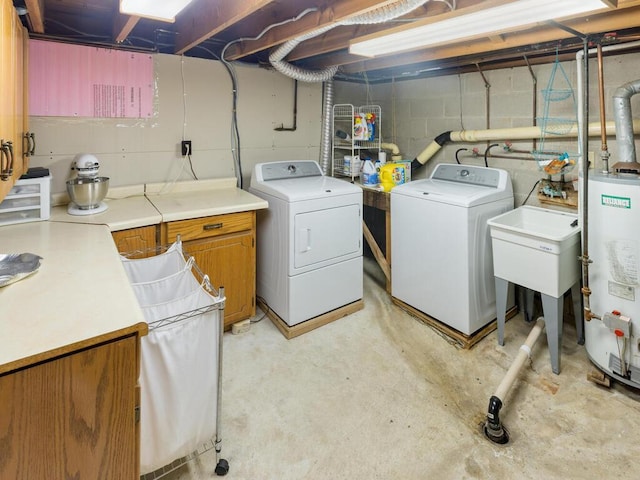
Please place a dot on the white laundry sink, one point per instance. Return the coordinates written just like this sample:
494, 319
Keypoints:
537, 248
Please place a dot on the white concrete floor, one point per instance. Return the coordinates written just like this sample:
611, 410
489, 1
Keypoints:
380, 395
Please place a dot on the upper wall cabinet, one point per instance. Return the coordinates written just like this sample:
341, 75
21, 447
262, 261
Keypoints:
15, 142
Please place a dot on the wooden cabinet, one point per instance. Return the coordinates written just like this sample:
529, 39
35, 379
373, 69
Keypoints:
13, 99
73, 416
224, 248
142, 239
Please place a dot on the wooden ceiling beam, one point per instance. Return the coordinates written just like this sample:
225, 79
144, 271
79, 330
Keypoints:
339, 38
619, 19
123, 26
203, 19
35, 10
323, 17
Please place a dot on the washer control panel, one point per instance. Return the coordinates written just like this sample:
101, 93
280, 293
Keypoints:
468, 174
292, 169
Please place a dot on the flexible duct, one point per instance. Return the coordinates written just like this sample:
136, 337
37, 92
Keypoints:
379, 15
327, 132
624, 121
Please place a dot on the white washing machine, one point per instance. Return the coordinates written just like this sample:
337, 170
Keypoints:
309, 250
442, 262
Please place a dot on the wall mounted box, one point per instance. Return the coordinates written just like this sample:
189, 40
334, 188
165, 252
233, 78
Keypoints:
28, 201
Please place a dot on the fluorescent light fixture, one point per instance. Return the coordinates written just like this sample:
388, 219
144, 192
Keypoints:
491, 17
163, 10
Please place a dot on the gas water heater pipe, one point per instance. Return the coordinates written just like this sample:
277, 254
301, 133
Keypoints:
604, 149
493, 428
582, 73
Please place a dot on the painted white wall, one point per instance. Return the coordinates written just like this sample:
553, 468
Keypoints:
414, 112
192, 95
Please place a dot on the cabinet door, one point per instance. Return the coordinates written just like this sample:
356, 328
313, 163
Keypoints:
141, 240
72, 417
12, 112
230, 262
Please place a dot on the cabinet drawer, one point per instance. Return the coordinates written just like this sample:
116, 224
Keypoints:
206, 227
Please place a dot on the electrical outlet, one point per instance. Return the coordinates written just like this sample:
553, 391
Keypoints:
186, 147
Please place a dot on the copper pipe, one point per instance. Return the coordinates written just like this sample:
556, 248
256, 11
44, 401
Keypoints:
603, 120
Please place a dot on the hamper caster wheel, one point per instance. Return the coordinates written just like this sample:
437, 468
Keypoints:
222, 468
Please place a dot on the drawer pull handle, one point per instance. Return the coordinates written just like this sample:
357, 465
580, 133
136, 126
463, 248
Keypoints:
213, 226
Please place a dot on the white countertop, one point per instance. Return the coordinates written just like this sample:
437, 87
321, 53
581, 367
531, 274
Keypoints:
151, 204
80, 292
201, 199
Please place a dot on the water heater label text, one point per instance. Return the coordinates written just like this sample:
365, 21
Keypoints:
618, 202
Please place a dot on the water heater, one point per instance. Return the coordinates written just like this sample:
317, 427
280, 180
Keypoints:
613, 341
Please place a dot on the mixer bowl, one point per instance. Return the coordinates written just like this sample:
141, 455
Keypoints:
87, 193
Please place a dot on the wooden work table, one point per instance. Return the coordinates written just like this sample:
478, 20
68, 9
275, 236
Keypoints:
382, 201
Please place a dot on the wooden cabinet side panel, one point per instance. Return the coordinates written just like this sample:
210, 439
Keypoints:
230, 262
142, 239
73, 417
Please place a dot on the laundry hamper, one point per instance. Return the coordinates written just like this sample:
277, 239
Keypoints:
181, 360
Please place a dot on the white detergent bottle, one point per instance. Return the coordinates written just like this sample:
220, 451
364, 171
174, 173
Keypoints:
369, 174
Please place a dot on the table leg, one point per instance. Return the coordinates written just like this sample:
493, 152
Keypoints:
552, 308
502, 287
576, 297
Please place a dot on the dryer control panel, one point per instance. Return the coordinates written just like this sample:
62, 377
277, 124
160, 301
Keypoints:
468, 174
284, 170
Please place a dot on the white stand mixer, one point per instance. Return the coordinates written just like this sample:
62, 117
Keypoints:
87, 190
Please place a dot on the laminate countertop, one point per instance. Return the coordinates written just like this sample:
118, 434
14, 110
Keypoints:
151, 204
79, 293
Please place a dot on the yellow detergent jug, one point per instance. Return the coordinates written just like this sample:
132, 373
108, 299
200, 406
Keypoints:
392, 174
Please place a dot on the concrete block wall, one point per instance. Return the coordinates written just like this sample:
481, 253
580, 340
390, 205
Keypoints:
416, 111
194, 97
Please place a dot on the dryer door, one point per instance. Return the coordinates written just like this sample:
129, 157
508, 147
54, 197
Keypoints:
326, 236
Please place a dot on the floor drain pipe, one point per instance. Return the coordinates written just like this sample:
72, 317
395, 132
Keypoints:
493, 428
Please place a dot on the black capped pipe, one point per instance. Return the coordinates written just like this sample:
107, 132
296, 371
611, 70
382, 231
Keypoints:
430, 151
493, 428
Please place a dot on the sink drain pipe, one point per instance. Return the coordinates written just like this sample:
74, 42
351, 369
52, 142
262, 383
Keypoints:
493, 428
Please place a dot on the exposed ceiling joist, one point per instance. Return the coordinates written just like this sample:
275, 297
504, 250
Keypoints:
204, 18
223, 22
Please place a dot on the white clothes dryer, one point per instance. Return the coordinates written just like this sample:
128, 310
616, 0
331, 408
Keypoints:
442, 262
309, 240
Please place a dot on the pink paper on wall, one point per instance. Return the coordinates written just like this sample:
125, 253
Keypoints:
78, 81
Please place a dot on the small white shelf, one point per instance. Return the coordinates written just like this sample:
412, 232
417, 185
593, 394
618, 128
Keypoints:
346, 153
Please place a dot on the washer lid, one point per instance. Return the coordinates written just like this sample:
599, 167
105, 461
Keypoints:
463, 185
297, 180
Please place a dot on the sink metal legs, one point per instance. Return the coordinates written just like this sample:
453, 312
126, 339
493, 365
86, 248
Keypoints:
552, 308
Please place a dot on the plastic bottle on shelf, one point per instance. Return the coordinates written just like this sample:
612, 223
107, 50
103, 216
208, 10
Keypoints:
369, 174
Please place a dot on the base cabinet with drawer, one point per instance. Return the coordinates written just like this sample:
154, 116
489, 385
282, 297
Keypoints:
224, 248
73, 416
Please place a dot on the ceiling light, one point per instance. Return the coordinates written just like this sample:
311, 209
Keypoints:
490, 17
165, 10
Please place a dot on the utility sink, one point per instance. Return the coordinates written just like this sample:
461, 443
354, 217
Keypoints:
537, 248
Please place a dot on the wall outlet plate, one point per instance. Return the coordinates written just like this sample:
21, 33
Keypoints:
186, 148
